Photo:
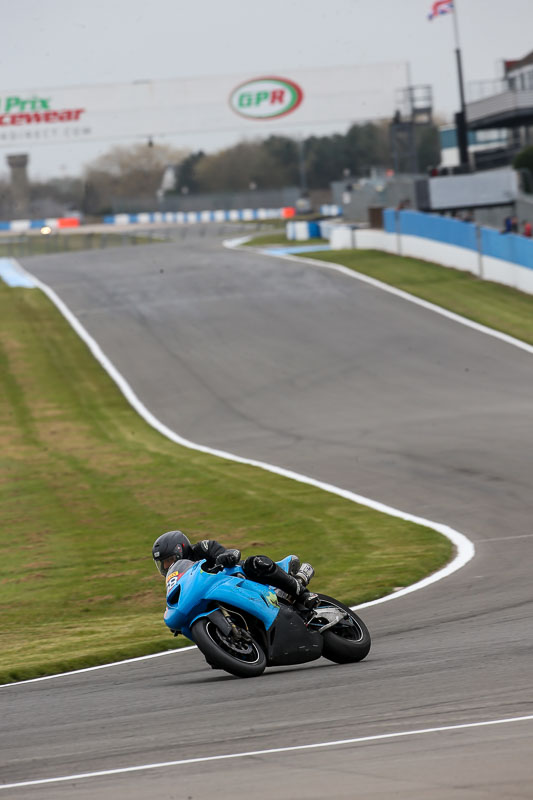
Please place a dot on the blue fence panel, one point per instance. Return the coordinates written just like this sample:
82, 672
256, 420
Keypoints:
431, 226
524, 251
389, 220
440, 229
495, 244
507, 247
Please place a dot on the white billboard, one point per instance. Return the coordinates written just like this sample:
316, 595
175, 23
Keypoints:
493, 187
206, 112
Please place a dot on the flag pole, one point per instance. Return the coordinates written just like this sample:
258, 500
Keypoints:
460, 119
458, 56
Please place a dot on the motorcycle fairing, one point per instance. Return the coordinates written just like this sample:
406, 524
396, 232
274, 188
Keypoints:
290, 641
194, 593
200, 590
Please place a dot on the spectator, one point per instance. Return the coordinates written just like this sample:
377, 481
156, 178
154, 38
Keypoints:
507, 225
527, 230
514, 224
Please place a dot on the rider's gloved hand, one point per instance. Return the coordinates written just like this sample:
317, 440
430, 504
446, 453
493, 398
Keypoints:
228, 559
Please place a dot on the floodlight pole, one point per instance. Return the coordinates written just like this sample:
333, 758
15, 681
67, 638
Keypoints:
460, 119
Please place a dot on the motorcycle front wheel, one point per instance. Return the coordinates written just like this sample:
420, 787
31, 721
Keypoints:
348, 640
239, 657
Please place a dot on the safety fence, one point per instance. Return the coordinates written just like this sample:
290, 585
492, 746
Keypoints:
176, 217
220, 215
502, 257
488, 242
194, 217
331, 210
21, 225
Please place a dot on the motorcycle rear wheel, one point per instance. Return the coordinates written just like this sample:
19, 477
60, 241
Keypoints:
240, 658
348, 641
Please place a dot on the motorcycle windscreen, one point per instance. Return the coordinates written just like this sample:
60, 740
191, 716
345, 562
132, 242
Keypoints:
175, 572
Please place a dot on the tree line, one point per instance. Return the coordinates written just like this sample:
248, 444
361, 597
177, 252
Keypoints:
136, 171
271, 163
276, 161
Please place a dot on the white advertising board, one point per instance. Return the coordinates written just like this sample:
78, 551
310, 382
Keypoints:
207, 112
493, 187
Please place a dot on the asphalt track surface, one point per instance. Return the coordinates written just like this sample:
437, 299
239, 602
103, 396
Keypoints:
313, 371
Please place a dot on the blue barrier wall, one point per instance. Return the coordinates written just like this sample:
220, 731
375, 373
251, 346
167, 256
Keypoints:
440, 229
505, 246
389, 220
430, 226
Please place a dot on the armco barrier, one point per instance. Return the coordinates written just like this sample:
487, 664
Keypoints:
20, 225
331, 211
501, 257
234, 215
193, 217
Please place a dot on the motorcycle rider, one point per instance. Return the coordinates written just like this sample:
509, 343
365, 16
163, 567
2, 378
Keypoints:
174, 545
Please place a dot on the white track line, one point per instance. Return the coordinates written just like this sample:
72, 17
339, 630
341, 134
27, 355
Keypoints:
464, 547
99, 666
385, 287
506, 538
274, 750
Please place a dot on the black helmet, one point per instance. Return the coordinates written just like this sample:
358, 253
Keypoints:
171, 545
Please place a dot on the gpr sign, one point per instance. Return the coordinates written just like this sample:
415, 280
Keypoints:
15, 110
206, 112
266, 98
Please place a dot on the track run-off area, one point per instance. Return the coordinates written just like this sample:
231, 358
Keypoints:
328, 376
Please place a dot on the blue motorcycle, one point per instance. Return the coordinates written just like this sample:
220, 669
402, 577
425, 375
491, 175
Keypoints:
242, 626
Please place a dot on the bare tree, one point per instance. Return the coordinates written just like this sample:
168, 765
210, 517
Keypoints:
131, 171
5, 197
236, 168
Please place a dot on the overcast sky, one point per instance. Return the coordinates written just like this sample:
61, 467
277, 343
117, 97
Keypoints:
61, 42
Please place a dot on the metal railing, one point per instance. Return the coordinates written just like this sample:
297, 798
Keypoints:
479, 90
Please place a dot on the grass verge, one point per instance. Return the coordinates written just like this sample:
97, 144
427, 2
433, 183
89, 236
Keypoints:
279, 238
86, 486
39, 244
486, 302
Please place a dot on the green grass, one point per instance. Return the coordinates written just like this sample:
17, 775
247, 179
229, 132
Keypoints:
488, 303
86, 486
40, 244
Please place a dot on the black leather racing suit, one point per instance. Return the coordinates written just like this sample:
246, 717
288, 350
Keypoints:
261, 569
